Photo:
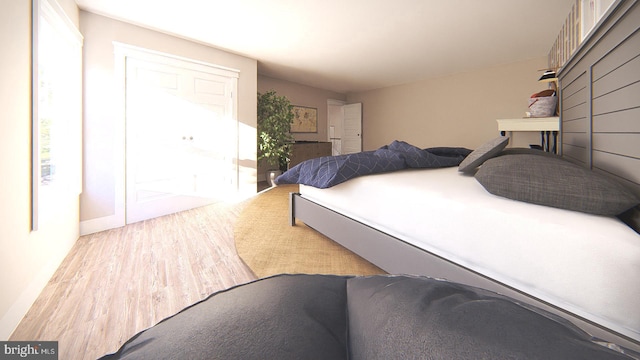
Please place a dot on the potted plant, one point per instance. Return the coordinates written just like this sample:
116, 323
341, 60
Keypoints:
274, 132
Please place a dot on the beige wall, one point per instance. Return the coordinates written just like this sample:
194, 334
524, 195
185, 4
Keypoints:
28, 259
456, 110
102, 137
304, 96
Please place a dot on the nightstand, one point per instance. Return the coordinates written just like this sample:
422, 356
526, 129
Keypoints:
547, 126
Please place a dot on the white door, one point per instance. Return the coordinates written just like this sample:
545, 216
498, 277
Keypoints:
352, 129
181, 137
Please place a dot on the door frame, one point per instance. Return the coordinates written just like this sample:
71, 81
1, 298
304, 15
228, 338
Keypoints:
121, 52
330, 138
341, 138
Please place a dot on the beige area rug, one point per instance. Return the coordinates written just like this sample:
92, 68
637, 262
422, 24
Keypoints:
269, 245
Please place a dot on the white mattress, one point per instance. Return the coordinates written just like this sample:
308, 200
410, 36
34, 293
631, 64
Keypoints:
586, 264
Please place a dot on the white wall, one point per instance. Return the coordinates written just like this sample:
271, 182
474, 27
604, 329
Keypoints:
28, 259
104, 123
456, 110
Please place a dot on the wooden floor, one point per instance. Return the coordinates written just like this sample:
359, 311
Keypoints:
116, 283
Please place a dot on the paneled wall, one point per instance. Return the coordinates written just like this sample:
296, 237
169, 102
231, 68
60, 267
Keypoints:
600, 92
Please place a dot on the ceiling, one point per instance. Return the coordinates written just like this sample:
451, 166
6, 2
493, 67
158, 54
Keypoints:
356, 45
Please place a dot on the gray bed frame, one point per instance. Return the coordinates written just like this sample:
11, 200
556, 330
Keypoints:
598, 133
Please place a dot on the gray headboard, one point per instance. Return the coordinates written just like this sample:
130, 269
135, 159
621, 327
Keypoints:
600, 99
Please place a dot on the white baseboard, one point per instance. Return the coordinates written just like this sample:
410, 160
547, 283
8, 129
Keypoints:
11, 319
101, 224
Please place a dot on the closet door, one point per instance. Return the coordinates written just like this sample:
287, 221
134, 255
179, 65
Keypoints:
181, 138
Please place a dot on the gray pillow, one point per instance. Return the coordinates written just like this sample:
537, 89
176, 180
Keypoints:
526, 151
483, 153
555, 182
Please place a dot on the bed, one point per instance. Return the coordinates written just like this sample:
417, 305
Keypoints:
450, 227
579, 262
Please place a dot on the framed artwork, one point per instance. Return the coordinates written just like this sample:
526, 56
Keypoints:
305, 120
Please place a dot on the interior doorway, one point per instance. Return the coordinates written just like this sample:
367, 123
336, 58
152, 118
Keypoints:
344, 123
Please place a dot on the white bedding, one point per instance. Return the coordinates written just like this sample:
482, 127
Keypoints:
587, 264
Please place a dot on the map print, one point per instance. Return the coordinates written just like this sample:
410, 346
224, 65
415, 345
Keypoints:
305, 119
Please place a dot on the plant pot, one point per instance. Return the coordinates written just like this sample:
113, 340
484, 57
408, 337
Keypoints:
272, 175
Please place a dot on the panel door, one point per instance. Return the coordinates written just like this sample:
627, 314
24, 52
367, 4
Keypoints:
352, 129
181, 138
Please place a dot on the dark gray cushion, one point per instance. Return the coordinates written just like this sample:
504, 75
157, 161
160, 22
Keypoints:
555, 182
483, 153
526, 151
379, 317
283, 317
407, 317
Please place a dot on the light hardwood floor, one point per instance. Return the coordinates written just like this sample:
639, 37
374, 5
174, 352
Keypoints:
116, 283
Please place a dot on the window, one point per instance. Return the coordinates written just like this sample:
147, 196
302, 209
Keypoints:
57, 108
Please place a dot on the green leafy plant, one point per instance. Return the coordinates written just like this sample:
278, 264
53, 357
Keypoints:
275, 114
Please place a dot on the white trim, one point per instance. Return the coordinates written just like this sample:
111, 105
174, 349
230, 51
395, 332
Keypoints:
100, 224
35, 120
126, 50
119, 218
51, 12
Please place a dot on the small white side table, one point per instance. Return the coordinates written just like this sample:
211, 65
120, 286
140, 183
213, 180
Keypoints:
547, 126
